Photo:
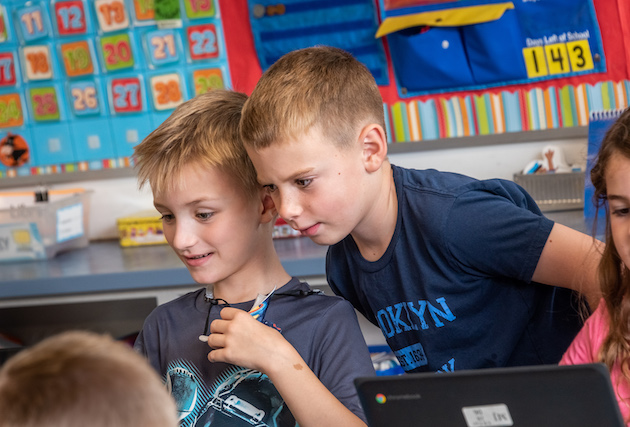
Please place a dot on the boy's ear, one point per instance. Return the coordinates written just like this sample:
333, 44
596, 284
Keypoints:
268, 212
374, 146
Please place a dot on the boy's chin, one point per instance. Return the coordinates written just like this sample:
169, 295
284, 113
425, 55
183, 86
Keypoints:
325, 240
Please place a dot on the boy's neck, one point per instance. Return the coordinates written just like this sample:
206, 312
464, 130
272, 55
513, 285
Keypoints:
259, 276
373, 235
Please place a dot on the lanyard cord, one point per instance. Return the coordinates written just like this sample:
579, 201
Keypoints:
212, 301
216, 301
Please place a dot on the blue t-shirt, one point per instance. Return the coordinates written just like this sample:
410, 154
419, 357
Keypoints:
453, 290
323, 329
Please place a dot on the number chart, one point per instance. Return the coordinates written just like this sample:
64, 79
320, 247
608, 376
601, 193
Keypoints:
83, 81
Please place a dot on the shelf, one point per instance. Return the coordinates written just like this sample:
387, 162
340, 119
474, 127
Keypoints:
395, 148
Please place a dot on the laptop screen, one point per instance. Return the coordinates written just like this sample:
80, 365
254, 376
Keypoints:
531, 396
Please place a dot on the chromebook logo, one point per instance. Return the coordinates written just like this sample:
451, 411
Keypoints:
380, 398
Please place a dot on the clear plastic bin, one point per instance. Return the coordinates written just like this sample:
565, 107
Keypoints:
554, 191
30, 231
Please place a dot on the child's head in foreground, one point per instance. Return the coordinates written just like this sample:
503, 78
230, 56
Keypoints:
205, 187
78, 379
314, 129
611, 178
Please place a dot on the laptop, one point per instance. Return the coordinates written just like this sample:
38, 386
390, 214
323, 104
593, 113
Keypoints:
531, 396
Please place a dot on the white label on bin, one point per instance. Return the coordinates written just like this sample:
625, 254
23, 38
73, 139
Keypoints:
70, 222
20, 241
488, 416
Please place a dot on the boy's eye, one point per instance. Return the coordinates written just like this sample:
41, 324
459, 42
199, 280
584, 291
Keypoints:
270, 187
205, 215
303, 182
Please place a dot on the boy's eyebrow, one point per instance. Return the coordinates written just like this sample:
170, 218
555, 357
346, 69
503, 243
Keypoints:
191, 203
291, 177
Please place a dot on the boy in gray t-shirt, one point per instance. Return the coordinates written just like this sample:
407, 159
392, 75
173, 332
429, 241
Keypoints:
294, 356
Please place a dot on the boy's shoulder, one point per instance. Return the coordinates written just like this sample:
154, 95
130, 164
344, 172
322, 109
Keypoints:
450, 184
311, 299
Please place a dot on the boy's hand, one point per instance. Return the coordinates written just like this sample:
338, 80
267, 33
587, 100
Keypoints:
239, 339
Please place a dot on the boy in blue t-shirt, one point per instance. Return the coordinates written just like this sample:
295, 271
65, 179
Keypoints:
458, 273
294, 356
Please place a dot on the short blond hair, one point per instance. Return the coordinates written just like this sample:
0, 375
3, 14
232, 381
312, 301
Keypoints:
202, 131
78, 379
323, 87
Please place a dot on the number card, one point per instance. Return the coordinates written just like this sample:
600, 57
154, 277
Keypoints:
207, 79
126, 95
44, 104
112, 15
580, 55
196, 9
167, 91
162, 46
117, 52
144, 10
77, 58
37, 62
70, 17
7, 69
558, 58
11, 111
4, 36
84, 96
203, 42
32, 22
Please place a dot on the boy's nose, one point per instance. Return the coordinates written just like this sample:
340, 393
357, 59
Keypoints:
288, 207
183, 237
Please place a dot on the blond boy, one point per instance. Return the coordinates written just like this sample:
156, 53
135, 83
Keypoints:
458, 273
297, 359
78, 379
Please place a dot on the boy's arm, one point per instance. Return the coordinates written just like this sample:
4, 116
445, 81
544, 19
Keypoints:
569, 259
239, 339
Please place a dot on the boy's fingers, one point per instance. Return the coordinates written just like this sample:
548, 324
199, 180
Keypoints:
216, 340
229, 313
218, 326
215, 356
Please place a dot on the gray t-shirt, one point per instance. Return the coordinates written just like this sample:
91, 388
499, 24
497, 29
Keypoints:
323, 329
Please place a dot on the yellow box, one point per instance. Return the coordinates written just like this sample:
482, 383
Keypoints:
141, 229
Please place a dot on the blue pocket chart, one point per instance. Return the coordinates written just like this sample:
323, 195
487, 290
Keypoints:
83, 81
280, 27
474, 44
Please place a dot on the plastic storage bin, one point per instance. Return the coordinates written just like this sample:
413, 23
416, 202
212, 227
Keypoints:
42, 230
554, 191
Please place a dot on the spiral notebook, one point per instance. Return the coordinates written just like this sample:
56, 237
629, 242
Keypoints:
533, 396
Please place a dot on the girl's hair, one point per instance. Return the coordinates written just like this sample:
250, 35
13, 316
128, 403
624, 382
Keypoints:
614, 276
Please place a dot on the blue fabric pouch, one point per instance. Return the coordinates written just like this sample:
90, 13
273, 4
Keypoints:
474, 44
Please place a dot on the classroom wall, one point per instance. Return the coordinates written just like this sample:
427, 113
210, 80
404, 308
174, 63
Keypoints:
114, 198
